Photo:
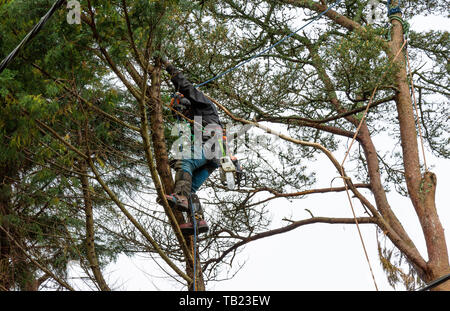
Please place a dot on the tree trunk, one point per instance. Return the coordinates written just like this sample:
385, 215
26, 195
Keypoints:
162, 164
157, 131
376, 186
438, 261
198, 277
6, 279
421, 190
90, 246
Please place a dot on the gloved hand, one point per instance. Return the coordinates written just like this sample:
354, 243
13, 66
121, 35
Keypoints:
171, 69
181, 103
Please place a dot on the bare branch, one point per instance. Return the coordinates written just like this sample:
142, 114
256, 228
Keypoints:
292, 226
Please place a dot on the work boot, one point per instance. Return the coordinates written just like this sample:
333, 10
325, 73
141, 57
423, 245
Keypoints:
188, 228
176, 201
180, 202
179, 199
182, 191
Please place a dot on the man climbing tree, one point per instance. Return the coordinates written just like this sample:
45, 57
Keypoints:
78, 148
191, 172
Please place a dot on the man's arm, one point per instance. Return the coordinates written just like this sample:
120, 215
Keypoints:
185, 87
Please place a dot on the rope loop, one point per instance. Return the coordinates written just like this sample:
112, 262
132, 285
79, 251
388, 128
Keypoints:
393, 10
405, 24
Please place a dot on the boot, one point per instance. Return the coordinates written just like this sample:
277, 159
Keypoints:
179, 202
202, 226
180, 197
188, 228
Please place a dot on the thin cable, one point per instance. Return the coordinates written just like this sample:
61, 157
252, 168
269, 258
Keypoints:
30, 35
435, 283
347, 153
359, 231
417, 111
194, 244
270, 47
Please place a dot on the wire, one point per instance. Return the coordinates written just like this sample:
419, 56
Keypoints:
417, 112
30, 35
194, 244
435, 283
270, 47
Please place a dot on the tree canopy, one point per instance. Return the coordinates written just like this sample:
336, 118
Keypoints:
86, 133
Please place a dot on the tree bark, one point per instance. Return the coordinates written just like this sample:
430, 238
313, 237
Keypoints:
162, 165
6, 280
421, 189
438, 261
90, 245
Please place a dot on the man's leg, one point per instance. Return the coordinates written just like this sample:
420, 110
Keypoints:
199, 176
185, 169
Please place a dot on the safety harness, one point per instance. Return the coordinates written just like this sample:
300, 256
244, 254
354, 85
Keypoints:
231, 170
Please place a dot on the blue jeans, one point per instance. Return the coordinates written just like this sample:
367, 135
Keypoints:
199, 169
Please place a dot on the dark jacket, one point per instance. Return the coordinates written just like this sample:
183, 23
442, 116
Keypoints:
201, 105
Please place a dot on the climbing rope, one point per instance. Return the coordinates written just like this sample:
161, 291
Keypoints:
405, 26
348, 151
391, 10
417, 112
194, 244
359, 230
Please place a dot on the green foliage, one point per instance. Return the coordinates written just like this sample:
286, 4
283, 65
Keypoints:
45, 204
358, 63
